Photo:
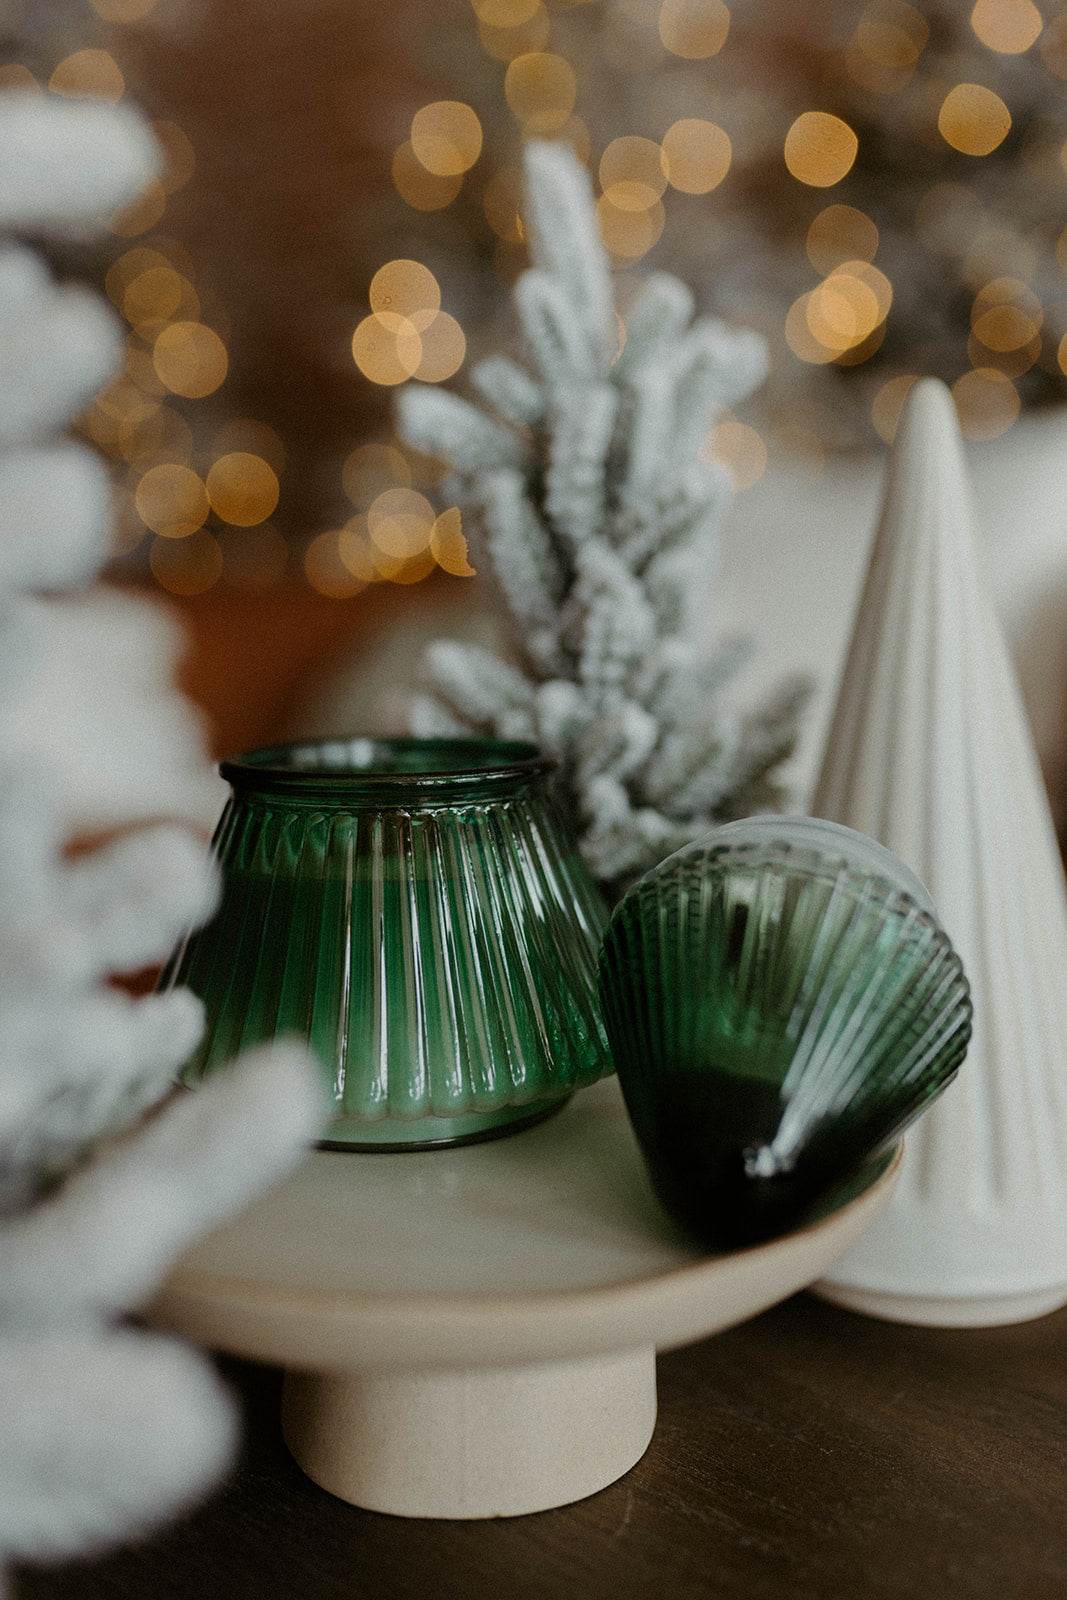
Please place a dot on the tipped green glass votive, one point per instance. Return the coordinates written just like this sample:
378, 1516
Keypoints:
781, 1003
417, 912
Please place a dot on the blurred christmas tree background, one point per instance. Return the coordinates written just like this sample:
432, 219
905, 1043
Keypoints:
880, 190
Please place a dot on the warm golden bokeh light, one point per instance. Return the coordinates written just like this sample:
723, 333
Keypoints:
888, 404
88, 75
370, 470
143, 214
122, 10
1006, 327
696, 155
243, 489
505, 13
172, 501
987, 403
873, 279
125, 402
739, 450
1012, 363
694, 29
356, 551
129, 266
404, 287
629, 234
799, 337
406, 569
973, 119
255, 559
889, 39
17, 79
400, 523
178, 155
449, 546
421, 189
326, 572
1006, 292
257, 438
444, 349
387, 348
541, 89
631, 173
188, 567
504, 44
838, 234
156, 296
446, 137
139, 369
163, 437
840, 315
1006, 322
857, 354
1007, 26
190, 359
842, 312
820, 149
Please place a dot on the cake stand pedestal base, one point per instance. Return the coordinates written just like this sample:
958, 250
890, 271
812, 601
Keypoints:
471, 1332
489, 1442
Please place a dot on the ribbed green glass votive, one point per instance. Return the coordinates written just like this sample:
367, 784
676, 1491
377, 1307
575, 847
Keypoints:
781, 1003
416, 911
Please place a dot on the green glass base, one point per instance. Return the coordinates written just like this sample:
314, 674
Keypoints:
437, 1133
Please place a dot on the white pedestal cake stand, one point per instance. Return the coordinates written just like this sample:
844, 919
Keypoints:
472, 1332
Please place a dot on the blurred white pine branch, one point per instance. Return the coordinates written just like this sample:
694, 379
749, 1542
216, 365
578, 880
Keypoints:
103, 1431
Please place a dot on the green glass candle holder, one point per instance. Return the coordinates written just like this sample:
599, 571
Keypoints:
781, 1003
416, 911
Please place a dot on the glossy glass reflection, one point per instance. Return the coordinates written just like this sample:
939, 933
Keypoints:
416, 911
780, 1007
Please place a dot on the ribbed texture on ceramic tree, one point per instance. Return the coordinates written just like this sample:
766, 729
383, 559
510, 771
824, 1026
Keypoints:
929, 751
432, 936
778, 1016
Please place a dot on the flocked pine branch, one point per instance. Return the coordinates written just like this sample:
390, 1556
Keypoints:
103, 1430
590, 509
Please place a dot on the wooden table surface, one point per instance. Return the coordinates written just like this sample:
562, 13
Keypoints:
807, 1455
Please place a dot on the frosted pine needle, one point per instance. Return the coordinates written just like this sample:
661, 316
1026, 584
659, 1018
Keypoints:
592, 514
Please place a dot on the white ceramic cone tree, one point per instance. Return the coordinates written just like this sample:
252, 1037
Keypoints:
930, 753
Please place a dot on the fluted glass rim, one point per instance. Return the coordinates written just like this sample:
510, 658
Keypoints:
831, 840
403, 768
710, 851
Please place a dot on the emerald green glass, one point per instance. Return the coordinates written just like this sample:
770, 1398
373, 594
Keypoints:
417, 912
781, 1003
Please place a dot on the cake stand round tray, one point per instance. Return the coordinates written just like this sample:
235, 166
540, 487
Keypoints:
471, 1332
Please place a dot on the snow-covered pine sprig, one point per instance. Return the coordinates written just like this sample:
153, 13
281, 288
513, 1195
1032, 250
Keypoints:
590, 510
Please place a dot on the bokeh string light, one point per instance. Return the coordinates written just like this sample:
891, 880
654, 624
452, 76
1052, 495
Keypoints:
407, 335
207, 510
88, 75
851, 183
683, 99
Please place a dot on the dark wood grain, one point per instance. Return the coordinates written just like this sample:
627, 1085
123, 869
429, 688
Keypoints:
810, 1454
